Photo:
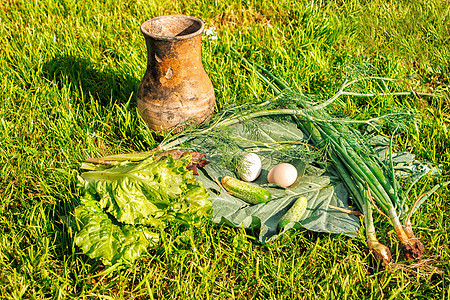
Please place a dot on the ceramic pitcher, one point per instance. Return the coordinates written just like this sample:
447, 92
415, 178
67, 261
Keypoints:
175, 89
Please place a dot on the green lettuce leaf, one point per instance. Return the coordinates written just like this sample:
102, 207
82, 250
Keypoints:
100, 237
152, 192
121, 203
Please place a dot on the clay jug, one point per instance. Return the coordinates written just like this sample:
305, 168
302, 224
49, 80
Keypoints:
175, 89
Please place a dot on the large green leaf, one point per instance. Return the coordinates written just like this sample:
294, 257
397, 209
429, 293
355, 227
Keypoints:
320, 216
322, 191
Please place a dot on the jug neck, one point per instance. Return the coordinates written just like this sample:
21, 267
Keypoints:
159, 50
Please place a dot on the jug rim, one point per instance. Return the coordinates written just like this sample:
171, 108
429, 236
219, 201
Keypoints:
145, 31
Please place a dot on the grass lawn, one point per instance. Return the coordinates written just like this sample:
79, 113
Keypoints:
69, 71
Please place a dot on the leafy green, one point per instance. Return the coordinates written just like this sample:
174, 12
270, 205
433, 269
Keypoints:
102, 238
152, 192
121, 202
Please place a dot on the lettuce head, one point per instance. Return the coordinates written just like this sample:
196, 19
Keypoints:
124, 206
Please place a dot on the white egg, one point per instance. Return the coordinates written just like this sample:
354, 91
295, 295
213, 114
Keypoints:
283, 174
250, 167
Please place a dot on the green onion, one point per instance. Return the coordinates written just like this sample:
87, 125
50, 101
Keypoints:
356, 166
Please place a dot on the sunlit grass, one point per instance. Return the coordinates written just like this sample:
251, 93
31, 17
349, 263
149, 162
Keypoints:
69, 74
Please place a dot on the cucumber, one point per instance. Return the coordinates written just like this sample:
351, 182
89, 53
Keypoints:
248, 192
295, 213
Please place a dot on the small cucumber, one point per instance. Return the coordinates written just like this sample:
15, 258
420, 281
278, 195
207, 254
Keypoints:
248, 192
295, 213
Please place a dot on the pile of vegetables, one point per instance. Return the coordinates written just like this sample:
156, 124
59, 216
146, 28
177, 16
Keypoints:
128, 198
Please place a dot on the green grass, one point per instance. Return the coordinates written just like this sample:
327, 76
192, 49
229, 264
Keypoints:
69, 73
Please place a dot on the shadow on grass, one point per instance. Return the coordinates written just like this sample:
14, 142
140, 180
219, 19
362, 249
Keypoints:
105, 85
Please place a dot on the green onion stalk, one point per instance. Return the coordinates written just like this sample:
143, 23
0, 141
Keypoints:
361, 196
366, 170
